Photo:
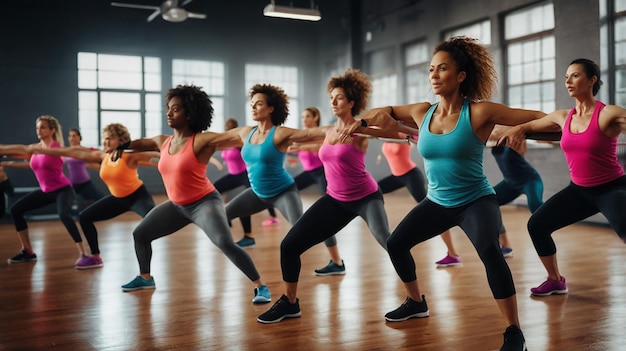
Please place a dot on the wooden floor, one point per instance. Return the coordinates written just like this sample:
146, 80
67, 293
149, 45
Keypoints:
202, 302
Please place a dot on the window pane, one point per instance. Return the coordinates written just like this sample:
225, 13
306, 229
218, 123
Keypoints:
154, 103
87, 79
132, 121
119, 63
152, 65
153, 124
416, 54
515, 74
152, 82
480, 31
120, 101
528, 21
88, 100
384, 91
120, 80
515, 97
548, 69
620, 5
87, 60
217, 125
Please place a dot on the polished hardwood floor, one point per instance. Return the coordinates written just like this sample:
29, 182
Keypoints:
203, 302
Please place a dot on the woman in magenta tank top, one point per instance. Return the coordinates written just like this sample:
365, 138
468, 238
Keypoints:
590, 132
55, 188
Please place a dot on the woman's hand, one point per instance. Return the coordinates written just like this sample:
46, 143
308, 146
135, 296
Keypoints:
514, 137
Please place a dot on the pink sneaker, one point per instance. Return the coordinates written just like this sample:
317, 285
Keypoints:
449, 261
550, 287
270, 221
86, 262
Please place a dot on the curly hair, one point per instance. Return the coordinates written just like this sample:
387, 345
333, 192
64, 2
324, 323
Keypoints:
276, 98
357, 87
53, 123
231, 123
591, 69
118, 130
196, 104
477, 62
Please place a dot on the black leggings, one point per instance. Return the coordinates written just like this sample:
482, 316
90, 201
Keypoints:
575, 203
64, 198
232, 181
479, 220
5, 188
323, 220
108, 207
413, 180
308, 178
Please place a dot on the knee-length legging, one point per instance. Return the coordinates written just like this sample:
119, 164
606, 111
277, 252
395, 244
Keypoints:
108, 207
207, 213
232, 181
64, 198
575, 203
324, 219
479, 220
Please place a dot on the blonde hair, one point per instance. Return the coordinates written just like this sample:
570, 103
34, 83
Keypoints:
53, 123
119, 130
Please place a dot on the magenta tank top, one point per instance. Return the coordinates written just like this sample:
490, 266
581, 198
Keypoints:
310, 160
591, 155
344, 167
48, 170
234, 162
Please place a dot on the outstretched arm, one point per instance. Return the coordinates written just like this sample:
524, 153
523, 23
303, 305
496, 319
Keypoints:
544, 127
74, 152
14, 149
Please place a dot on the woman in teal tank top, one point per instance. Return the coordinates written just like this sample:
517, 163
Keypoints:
452, 138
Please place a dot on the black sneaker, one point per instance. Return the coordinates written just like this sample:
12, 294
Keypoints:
282, 309
513, 339
23, 256
409, 309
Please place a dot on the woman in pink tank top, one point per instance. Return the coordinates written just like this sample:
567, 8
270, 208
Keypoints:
589, 139
313, 169
55, 188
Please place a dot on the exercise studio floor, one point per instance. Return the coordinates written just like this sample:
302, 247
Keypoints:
203, 302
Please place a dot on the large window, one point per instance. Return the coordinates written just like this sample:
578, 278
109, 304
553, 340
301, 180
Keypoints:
210, 76
480, 30
416, 64
384, 79
118, 89
282, 76
530, 58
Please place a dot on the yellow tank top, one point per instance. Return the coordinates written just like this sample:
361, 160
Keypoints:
121, 180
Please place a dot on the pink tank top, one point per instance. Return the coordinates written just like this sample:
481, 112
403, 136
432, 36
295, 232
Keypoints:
310, 160
183, 175
48, 170
399, 158
233, 160
591, 155
344, 167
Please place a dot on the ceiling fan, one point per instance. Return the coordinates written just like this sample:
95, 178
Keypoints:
169, 10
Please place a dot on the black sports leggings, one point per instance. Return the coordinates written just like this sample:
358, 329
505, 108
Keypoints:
479, 220
575, 203
64, 198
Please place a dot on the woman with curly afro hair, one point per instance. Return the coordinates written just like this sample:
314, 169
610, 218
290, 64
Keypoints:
452, 138
192, 197
351, 191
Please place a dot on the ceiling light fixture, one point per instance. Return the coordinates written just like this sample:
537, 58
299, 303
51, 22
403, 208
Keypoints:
273, 10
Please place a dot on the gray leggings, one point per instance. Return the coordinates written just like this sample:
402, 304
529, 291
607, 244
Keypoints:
207, 213
288, 203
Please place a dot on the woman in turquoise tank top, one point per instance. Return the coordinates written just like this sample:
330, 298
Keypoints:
452, 138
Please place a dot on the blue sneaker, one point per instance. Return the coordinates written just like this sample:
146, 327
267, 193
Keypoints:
139, 283
246, 243
262, 295
332, 269
506, 251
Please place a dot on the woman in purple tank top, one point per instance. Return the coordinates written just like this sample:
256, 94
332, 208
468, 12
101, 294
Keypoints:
589, 141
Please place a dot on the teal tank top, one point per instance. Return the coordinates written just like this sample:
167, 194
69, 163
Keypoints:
268, 177
453, 162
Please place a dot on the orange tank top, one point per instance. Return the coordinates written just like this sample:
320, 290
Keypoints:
183, 175
121, 180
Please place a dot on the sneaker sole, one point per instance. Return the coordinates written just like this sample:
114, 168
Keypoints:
89, 267
140, 288
261, 300
331, 273
10, 261
449, 265
553, 292
246, 247
416, 315
293, 315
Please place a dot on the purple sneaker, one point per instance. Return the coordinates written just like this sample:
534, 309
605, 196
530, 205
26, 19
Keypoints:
449, 261
86, 262
550, 287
